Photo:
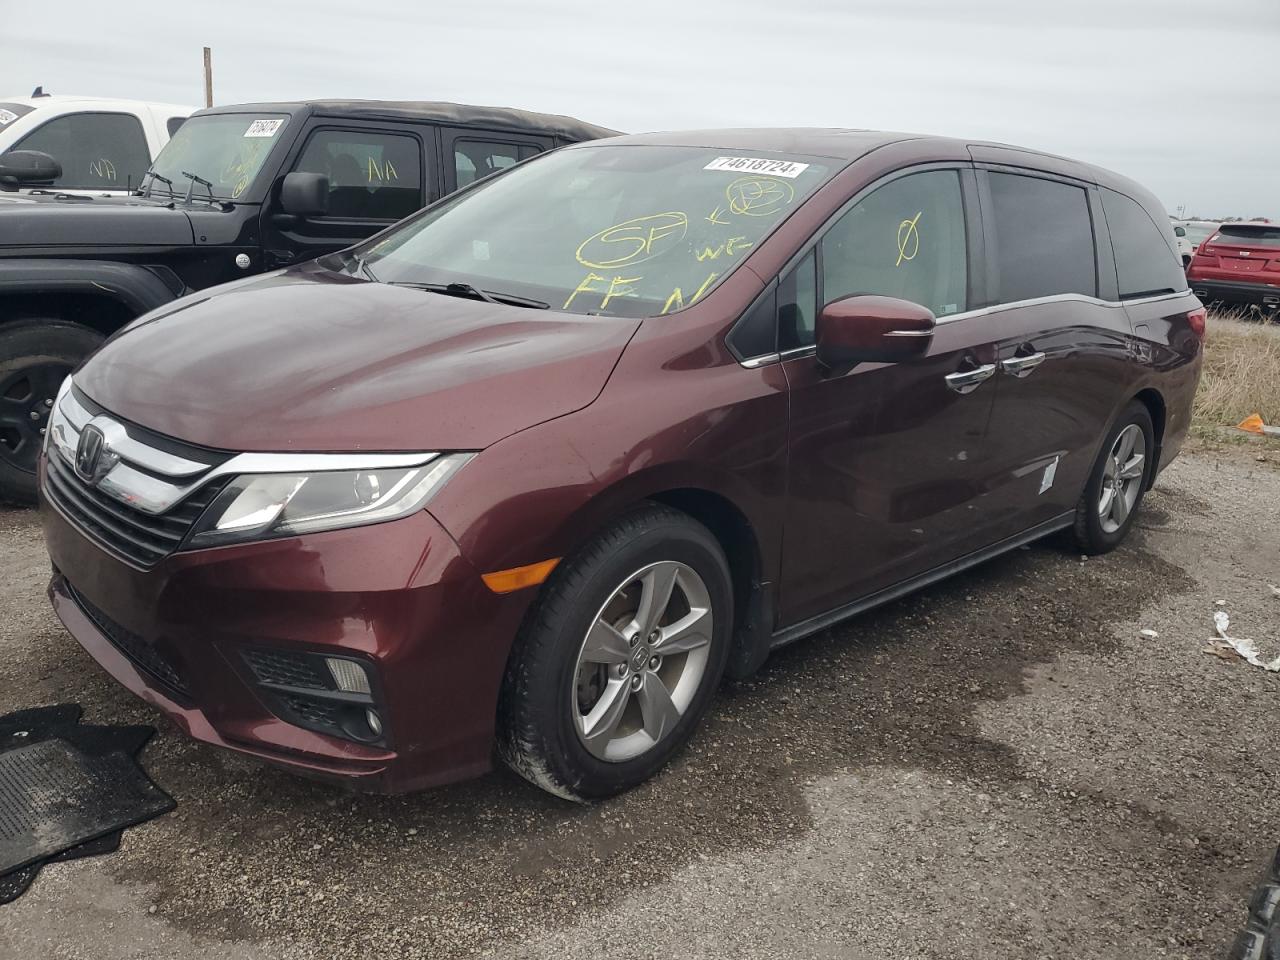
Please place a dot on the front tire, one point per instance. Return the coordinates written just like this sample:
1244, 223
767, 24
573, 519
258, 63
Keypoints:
1118, 482
35, 357
620, 659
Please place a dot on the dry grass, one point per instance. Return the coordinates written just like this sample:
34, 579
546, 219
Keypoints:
1241, 372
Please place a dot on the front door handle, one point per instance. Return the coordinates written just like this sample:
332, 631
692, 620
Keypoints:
967, 381
1021, 366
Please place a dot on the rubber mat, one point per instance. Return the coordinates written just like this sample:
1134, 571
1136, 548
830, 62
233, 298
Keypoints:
61, 722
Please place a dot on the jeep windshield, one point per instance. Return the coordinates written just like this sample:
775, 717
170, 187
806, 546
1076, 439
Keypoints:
631, 230
227, 149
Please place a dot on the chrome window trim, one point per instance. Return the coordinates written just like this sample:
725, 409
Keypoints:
752, 363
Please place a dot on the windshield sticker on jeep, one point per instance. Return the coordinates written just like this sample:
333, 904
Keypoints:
777, 168
7, 116
263, 128
908, 239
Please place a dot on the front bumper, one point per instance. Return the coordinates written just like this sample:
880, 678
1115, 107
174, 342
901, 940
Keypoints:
397, 596
1209, 289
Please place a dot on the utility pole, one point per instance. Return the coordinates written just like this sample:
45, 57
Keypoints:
208, 77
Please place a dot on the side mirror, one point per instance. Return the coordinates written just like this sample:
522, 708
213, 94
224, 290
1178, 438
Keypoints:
28, 166
305, 194
864, 328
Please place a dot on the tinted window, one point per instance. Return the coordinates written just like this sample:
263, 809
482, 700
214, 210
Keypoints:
98, 151
372, 176
1248, 236
905, 240
755, 335
798, 306
1146, 263
476, 159
1043, 238
173, 123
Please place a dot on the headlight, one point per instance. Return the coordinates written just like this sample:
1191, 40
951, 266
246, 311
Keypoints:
267, 505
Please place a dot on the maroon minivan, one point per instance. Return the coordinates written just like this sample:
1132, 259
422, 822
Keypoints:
535, 468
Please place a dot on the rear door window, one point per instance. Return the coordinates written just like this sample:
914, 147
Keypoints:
1146, 263
372, 175
98, 151
1043, 238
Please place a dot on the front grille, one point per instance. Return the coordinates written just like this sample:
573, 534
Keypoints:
142, 654
142, 539
287, 669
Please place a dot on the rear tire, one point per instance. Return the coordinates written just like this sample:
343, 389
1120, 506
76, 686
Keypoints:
35, 356
1117, 483
605, 686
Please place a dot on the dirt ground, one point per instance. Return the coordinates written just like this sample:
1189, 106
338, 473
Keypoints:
1000, 767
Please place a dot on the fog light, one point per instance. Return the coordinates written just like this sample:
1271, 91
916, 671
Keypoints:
349, 675
375, 722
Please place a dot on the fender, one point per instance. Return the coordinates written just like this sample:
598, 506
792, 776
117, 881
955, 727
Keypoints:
138, 288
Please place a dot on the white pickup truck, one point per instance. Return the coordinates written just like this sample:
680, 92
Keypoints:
104, 146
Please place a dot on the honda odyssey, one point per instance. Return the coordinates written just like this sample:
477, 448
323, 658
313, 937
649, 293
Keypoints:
528, 473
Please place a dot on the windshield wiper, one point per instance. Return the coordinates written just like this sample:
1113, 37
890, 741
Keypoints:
467, 290
354, 259
154, 177
195, 178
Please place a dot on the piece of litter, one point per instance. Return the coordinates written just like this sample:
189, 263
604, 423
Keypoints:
1151, 634
1246, 648
1223, 650
1275, 591
1220, 603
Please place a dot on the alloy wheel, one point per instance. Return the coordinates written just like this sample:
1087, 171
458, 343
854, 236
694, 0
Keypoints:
642, 661
1122, 478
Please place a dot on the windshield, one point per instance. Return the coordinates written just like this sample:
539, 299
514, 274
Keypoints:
618, 230
226, 149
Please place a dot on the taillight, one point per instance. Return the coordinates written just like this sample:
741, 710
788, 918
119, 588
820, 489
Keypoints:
1195, 320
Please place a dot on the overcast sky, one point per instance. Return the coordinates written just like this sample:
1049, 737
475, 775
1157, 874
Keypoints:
1179, 94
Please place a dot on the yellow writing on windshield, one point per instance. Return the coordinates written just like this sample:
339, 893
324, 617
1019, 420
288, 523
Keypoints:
758, 196
633, 241
617, 287
908, 239
677, 302
728, 248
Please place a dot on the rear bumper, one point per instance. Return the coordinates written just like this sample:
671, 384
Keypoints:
396, 596
1209, 289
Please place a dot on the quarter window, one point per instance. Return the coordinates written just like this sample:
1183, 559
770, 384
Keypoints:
905, 240
1043, 238
372, 176
476, 159
798, 306
98, 151
1146, 263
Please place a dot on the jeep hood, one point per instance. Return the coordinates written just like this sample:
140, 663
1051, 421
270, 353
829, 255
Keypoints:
312, 360
60, 221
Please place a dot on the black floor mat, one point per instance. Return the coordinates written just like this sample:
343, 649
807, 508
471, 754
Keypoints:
95, 747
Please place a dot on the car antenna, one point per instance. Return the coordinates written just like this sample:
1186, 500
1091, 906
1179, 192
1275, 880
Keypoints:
39, 92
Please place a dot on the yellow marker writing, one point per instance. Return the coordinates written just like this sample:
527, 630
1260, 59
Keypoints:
908, 239
584, 287
676, 300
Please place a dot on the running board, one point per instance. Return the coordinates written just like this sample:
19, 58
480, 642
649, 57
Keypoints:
898, 590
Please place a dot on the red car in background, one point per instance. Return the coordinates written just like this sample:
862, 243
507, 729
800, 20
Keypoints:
1239, 263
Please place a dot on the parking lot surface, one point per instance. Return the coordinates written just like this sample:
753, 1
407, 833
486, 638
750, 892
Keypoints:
1001, 766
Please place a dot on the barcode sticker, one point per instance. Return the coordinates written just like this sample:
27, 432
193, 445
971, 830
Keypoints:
772, 168
263, 128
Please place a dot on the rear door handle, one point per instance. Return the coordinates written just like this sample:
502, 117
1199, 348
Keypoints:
967, 381
1021, 366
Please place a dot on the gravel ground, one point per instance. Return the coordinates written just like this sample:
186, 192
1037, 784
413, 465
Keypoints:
1000, 767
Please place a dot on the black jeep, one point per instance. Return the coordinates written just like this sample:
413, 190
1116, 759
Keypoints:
238, 190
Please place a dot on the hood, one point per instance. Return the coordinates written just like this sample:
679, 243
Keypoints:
312, 360
52, 220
